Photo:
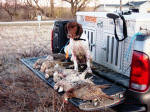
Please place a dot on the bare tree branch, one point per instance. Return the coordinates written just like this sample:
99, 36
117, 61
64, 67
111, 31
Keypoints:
30, 3
77, 5
10, 6
69, 1
52, 7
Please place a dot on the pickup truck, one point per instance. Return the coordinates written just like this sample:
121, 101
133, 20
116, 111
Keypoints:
120, 51
123, 61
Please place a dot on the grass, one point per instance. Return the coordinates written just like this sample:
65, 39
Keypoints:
21, 90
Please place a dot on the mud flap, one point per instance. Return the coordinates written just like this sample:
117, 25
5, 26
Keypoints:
115, 90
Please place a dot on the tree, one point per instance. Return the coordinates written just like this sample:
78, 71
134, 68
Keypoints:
77, 5
52, 7
10, 6
34, 4
37, 6
97, 4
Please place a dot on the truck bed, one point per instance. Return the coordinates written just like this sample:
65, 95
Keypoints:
116, 90
112, 75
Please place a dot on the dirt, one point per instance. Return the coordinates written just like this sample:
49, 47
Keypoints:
20, 89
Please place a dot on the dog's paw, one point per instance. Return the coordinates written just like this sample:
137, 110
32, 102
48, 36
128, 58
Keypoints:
55, 87
76, 69
89, 70
71, 58
60, 89
46, 76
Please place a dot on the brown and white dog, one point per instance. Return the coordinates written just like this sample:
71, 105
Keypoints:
78, 45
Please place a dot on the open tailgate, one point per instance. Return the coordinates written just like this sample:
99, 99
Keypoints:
115, 90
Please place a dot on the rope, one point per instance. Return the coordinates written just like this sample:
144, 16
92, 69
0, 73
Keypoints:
130, 45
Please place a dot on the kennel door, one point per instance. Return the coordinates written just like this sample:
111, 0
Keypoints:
112, 52
91, 34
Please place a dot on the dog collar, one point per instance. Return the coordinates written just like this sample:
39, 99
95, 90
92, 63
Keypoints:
79, 39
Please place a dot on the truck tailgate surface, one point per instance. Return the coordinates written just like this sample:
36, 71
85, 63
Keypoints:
115, 90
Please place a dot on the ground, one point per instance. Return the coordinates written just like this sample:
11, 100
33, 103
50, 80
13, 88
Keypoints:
20, 89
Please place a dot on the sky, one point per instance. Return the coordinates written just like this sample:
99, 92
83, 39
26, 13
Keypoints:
111, 1
106, 2
97, 2
57, 2
64, 4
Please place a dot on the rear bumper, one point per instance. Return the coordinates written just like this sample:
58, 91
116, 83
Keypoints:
130, 108
135, 102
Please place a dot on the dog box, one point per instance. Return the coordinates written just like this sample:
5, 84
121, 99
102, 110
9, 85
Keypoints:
105, 48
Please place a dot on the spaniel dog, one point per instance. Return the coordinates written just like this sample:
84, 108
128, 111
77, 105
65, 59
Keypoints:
78, 45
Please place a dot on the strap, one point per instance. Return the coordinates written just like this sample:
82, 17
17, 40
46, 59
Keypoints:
124, 29
79, 39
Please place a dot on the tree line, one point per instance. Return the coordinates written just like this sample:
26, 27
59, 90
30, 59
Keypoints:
47, 9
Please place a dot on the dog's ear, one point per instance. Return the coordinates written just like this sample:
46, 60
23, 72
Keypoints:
79, 30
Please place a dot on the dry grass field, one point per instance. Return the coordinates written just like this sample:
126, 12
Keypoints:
20, 89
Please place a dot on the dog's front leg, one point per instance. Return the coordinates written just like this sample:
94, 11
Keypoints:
89, 66
75, 62
88, 62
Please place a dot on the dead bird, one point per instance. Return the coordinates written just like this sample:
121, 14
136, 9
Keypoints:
47, 65
66, 85
39, 62
59, 57
60, 73
49, 58
51, 68
53, 71
49, 73
71, 80
87, 91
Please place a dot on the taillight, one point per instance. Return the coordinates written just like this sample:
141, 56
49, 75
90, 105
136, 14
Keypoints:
140, 72
52, 39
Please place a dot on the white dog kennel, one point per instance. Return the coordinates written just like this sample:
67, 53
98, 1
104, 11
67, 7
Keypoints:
105, 49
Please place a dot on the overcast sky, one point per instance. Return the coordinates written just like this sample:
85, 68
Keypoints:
93, 3
58, 2
111, 1
107, 2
